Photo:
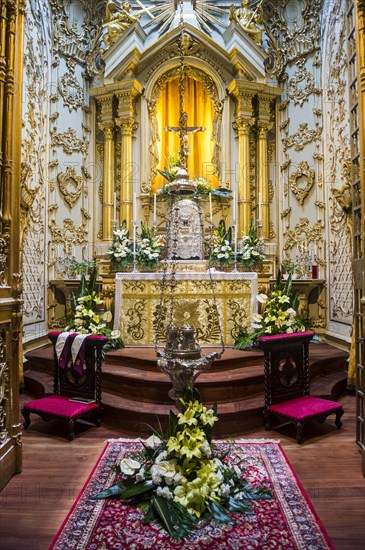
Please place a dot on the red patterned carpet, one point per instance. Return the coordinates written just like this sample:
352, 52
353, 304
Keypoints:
288, 521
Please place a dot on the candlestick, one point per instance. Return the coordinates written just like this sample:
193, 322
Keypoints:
154, 209
234, 205
210, 209
260, 208
134, 208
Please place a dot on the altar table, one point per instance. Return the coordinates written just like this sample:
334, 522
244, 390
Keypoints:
138, 295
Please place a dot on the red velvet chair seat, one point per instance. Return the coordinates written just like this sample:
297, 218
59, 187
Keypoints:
58, 405
305, 408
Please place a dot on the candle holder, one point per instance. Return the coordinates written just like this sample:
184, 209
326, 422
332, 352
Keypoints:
135, 270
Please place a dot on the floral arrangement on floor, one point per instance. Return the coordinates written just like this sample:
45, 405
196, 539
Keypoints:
222, 253
180, 478
251, 255
149, 248
121, 250
87, 319
280, 315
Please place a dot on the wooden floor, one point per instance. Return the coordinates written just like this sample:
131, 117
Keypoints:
35, 502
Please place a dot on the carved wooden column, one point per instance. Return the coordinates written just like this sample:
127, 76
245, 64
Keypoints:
263, 127
126, 120
243, 123
11, 64
107, 126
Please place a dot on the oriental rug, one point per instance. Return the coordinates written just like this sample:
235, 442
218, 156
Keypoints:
287, 521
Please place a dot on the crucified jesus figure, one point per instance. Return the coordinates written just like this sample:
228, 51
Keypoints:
183, 130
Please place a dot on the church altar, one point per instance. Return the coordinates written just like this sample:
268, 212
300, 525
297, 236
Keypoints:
138, 295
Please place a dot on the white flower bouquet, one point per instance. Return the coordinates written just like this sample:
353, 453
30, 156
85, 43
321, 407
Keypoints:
280, 315
251, 254
149, 248
181, 478
121, 250
222, 253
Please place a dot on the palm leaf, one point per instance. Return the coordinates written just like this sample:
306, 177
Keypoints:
137, 489
113, 491
161, 507
239, 506
219, 513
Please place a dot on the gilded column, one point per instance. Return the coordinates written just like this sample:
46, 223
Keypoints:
106, 124
108, 179
243, 96
127, 97
244, 125
262, 189
127, 126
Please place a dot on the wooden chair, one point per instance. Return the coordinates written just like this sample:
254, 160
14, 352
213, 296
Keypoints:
286, 377
77, 385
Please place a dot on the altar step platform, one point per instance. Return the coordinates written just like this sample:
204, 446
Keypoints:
135, 391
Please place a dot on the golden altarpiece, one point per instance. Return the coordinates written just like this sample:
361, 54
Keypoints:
230, 106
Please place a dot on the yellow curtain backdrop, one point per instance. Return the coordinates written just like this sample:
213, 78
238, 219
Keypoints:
200, 109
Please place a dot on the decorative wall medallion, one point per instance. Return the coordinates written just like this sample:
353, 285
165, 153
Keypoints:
69, 142
302, 176
301, 85
71, 91
70, 185
302, 137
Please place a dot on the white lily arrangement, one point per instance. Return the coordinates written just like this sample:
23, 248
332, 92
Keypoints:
223, 251
251, 252
280, 315
182, 477
149, 247
87, 319
121, 250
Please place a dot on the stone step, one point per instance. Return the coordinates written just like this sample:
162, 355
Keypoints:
135, 391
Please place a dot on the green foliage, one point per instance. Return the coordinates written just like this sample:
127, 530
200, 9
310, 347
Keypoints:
280, 315
180, 478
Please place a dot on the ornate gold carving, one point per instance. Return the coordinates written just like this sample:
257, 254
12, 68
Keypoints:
303, 171
70, 89
290, 37
118, 18
344, 197
285, 212
301, 86
66, 179
4, 389
68, 235
320, 204
311, 234
302, 137
285, 165
69, 142
17, 285
4, 252
250, 20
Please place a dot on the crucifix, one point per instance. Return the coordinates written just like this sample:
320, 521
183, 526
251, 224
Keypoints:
183, 130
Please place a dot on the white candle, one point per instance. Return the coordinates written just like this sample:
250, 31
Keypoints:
235, 238
134, 209
115, 208
154, 209
134, 240
234, 206
210, 209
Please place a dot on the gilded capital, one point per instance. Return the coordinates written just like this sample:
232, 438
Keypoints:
263, 128
107, 128
243, 125
127, 125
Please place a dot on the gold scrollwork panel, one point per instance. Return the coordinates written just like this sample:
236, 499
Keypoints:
193, 304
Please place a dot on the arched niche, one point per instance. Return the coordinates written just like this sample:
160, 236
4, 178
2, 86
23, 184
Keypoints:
204, 107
